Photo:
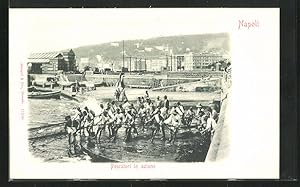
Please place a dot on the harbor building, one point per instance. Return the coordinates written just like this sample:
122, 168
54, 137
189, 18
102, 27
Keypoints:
46, 63
192, 61
70, 60
156, 64
205, 61
135, 64
51, 62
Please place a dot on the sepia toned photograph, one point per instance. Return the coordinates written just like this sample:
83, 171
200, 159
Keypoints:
130, 91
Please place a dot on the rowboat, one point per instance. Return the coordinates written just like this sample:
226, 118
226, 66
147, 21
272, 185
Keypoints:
36, 93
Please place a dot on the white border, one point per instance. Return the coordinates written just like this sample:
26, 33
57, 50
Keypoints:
254, 151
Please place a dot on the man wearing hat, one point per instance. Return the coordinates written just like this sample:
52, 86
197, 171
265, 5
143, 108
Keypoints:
156, 121
200, 110
176, 122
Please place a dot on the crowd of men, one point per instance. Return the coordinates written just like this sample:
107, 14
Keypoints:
145, 116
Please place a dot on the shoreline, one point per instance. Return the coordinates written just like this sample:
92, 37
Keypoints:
55, 148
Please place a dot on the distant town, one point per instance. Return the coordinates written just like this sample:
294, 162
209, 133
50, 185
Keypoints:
133, 57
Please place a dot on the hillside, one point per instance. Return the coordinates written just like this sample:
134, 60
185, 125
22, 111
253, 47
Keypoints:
157, 47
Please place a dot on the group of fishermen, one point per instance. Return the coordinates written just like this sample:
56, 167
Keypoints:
139, 118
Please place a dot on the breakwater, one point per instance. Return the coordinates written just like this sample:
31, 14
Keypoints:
220, 147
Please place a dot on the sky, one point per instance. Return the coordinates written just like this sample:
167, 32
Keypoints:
56, 29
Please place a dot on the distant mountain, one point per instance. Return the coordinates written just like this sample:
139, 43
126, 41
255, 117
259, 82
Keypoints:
157, 47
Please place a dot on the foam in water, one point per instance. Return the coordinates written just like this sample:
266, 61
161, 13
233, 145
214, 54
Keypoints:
92, 104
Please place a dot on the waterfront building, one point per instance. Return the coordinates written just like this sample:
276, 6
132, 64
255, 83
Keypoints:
190, 61
46, 63
70, 60
135, 64
205, 61
156, 64
51, 62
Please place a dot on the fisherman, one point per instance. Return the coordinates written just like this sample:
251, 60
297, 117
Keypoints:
174, 122
123, 95
101, 124
117, 94
142, 100
146, 96
214, 113
90, 119
89, 111
179, 109
79, 117
110, 119
84, 123
134, 114
126, 105
189, 116
204, 117
158, 102
210, 126
101, 109
139, 102
89, 124
118, 121
128, 123
71, 127
122, 110
156, 121
165, 115
199, 111
113, 107
166, 103
142, 113
149, 106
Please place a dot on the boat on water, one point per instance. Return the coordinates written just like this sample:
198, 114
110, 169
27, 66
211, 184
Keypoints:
37, 93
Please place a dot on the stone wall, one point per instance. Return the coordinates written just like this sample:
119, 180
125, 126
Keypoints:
220, 147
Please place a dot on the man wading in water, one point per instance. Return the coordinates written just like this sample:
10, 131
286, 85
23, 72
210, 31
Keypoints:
71, 127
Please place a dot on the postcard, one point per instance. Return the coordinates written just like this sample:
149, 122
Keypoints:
145, 93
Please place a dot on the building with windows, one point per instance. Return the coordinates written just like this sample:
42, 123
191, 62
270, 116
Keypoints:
156, 64
190, 61
51, 62
46, 63
135, 64
205, 61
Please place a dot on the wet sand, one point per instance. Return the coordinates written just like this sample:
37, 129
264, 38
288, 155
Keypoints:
190, 146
